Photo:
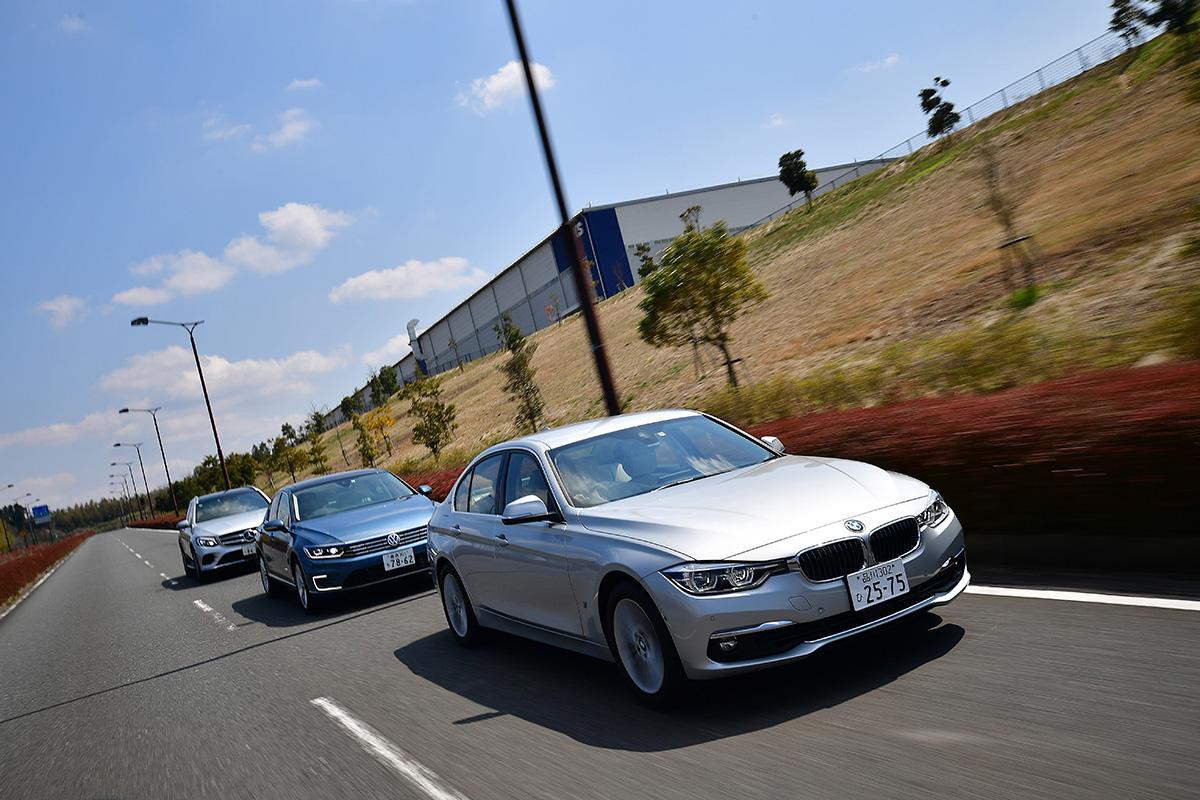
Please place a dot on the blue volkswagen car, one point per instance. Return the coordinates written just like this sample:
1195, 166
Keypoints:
344, 531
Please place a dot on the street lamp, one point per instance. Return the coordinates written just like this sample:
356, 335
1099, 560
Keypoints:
125, 498
153, 412
3, 524
138, 446
129, 465
190, 327
29, 510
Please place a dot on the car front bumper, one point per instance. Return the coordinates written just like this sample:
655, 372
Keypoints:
222, 556
328, 575
789, 618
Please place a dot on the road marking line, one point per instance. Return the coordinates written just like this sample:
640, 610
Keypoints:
1088, 597
148, 564
217, 615
417, 774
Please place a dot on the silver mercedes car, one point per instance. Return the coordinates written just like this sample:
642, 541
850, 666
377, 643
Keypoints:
683, 548
219, 530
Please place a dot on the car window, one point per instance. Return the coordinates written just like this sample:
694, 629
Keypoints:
273, 509
225, 504
346, 493
638, 460
285, 508
462, 493
524, 478
485, 485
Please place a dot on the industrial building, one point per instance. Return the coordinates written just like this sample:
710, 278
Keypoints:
536, 290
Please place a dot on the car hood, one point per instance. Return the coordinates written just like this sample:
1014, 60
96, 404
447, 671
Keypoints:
370, 521
234, 522
767, 511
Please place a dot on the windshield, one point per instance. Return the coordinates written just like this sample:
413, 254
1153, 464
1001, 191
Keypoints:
344, 494
649, 457
226, 504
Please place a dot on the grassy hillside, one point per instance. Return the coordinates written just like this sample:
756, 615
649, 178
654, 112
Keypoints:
890, 288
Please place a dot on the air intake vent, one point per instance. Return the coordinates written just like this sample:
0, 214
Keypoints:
894, 540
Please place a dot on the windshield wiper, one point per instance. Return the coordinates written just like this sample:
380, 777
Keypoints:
683, 480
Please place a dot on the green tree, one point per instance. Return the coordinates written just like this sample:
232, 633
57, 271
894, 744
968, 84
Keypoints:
702, 285
350, 406
288, 454
1178, 17
316, 452
519, 375
1127, 20
366, 447
942, 116
435, 418
265, 459
796, 176
388, 383
646, 264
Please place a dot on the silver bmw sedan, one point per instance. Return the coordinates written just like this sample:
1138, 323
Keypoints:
683, 548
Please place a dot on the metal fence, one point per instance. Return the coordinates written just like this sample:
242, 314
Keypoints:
1097, 51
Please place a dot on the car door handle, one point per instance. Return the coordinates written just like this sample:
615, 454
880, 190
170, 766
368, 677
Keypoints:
502, 540
456, 529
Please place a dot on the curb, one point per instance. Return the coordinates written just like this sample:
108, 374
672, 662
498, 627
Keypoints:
41, 579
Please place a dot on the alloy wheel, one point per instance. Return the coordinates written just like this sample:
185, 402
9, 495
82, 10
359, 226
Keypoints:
262, 571
456, 604
301, 587
638, 646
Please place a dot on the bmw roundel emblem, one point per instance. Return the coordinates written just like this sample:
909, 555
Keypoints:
393, 539
854, 525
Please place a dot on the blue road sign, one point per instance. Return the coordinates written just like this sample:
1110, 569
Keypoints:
41, 514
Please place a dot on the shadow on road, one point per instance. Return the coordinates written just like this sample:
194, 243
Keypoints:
284, 611
585, 699
181, 582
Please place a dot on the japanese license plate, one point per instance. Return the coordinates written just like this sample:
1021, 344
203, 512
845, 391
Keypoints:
877, 584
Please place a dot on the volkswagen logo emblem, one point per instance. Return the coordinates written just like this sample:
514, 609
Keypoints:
854, 525
393, 540
248, 536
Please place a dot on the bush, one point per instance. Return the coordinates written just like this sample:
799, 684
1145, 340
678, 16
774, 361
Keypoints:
20, 568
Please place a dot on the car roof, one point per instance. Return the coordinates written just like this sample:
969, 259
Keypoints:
214, 495
334, 476
567, 434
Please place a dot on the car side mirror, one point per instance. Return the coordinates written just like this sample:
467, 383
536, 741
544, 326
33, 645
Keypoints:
274, 526
182, 525
529, 508
425, 489
773, 443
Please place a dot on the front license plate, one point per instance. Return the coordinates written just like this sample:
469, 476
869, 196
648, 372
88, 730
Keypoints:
398, 559
876, 584
247, 549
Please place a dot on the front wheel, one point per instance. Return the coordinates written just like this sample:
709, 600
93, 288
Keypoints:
459, 616
308, 602
642, 647
269, 588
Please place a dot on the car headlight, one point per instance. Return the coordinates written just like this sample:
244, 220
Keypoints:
706, 579
326, 551
934, 513
206, 541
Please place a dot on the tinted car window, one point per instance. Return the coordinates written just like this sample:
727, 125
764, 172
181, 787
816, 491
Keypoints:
347, 493
485, 480
525, 477
637, 460
224, 504
462, 493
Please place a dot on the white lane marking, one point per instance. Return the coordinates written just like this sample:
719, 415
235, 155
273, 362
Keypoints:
414, 771
216, 615
147, 563
170, 581
1088, 597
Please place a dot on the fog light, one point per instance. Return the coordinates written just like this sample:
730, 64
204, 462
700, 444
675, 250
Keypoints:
727, 644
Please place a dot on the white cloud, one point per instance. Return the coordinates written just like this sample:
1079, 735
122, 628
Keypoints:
776, 121
302, 84
392, 351
295, 232
411, 279
72, 23
217, 129
172, 372
503, 86
187, 272
294, 125
879, 66
97, 425
63, 310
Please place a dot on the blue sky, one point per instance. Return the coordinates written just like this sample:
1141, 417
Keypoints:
242, 162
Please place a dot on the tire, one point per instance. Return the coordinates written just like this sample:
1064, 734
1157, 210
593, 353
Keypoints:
187, 565
460, 617
308, 601
643, 648
197, 573
270, 589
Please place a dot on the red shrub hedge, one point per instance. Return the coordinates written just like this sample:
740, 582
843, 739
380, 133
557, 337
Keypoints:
20, 568
161, 521
440, 480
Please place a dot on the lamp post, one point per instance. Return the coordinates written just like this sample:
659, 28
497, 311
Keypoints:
129, 465
138, 446
16, 501
153, 412
120, 497
190, 327
125, 497
4, 525
32, 524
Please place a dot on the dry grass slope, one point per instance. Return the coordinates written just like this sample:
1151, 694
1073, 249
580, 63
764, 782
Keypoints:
895, 263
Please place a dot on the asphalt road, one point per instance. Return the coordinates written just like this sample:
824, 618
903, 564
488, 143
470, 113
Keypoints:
116, 681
